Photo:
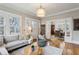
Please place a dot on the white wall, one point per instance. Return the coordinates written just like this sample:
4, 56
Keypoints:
75, 36
73, 15
48, 29
68, 29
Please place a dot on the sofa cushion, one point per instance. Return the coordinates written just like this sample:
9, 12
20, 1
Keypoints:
11, 38
1, 40
14, 43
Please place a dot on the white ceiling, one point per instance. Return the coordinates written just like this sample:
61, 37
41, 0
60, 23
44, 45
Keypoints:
29, 9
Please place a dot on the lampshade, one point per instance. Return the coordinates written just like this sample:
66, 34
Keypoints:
41, 12
29, 28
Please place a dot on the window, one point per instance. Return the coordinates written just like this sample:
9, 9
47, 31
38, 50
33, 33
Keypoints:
14, 25
1, 25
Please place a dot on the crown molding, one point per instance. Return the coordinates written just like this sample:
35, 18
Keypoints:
2, 7
66, 11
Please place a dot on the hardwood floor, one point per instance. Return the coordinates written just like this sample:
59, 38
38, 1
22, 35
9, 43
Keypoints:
55, 42
69, 48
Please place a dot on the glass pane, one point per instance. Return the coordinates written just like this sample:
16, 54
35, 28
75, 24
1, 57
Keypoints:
12, 30
1, 20
14, 25
1, 30
1, 25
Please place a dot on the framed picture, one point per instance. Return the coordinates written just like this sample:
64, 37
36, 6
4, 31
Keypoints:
76, 24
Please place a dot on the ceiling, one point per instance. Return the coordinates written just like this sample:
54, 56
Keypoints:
29, 9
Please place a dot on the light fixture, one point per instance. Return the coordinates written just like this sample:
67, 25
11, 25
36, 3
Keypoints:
41, 12
29, 28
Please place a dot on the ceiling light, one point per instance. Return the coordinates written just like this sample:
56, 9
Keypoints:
41, 12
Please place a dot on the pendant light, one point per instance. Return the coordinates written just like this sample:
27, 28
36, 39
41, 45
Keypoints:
41, 12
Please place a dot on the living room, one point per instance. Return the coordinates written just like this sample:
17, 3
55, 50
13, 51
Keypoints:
39, 29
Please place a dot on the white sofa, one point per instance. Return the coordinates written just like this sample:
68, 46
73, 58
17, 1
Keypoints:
16, 44
13, 42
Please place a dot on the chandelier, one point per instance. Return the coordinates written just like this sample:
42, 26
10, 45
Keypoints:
41, 12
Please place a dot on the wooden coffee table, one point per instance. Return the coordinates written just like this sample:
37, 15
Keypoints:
38, 50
